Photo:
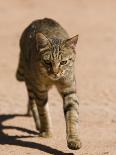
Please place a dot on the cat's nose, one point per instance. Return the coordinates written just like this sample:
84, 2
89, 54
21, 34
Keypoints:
55, 68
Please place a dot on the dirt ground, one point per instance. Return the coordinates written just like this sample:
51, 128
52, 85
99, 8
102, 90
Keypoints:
95, 22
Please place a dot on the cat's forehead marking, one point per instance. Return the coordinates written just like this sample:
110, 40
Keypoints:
56, 43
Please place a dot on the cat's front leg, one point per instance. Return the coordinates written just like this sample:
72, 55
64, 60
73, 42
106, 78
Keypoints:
45, 119
71, 111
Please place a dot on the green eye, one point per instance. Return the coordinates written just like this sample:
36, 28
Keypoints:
63, 62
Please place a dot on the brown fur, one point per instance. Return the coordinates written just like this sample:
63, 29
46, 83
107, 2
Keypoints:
47, 58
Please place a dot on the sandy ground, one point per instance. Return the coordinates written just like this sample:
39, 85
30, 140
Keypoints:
95, 22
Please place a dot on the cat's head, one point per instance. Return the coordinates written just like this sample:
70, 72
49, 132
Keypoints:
57, 56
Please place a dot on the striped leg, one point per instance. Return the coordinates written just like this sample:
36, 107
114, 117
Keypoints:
33, 108
71, 106
45, 120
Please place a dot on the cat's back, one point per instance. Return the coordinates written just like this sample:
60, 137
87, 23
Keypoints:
49, 27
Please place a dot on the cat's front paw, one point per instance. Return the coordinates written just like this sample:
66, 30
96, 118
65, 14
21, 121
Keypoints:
74, 143
45, 134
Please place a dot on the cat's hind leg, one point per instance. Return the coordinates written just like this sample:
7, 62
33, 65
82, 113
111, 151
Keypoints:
29, 108
32, 107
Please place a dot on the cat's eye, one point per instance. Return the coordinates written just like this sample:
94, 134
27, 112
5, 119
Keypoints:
63, 62
47, 62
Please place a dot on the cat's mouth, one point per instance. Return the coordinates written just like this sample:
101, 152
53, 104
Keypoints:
55, 76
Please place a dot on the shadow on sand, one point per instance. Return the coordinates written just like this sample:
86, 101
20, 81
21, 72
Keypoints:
15, 140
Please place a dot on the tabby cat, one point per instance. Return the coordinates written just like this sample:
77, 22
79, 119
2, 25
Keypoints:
47, 56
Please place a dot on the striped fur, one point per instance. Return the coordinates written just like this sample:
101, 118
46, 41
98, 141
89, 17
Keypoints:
47, 58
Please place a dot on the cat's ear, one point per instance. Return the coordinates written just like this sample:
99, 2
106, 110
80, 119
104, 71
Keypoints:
71, 42
41, 41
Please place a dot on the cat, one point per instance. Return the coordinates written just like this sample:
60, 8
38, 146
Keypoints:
47, 57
